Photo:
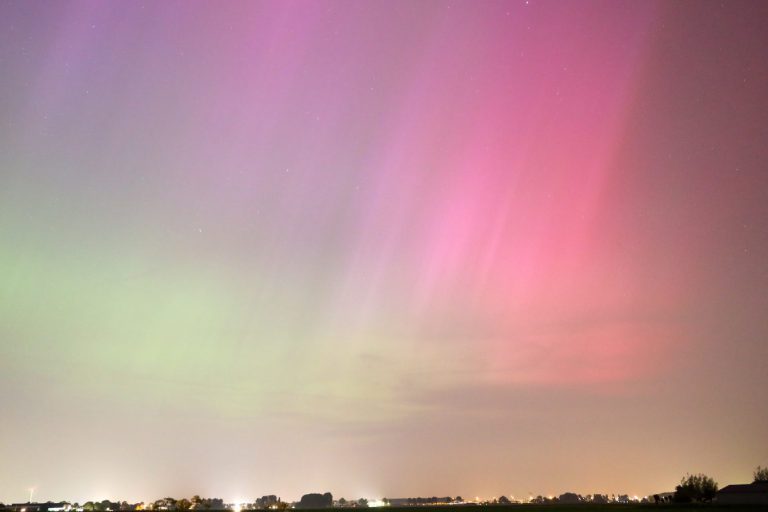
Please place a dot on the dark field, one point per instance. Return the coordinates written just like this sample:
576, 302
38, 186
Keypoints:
586, 507
647, 507
668, 507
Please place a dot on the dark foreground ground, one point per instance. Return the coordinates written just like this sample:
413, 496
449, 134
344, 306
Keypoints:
645, 507
586, 507
667, 507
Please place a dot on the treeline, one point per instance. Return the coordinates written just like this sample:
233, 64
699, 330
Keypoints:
270, 501
692, 488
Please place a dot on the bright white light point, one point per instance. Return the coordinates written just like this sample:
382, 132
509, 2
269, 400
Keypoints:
377, 503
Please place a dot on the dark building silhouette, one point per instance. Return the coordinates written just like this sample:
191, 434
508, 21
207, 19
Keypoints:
38, 507
744, 494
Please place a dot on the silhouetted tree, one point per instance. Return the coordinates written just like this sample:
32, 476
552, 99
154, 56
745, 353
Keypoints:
695, 488
761, 474
362, 502
458, 499
570, 497
503, 500
316, 500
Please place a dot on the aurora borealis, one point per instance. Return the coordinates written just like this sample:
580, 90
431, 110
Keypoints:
381, 248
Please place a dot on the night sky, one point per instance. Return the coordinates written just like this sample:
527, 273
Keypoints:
381, 248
